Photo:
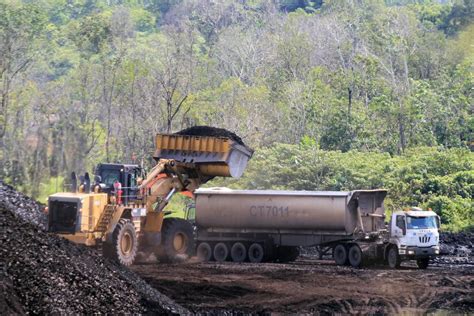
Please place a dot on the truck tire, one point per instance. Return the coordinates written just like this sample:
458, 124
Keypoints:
340, 254
221, 252
256, 253
178, 240
204, 252
124, 246
355, 256
423, 263
238, 252
393, 259
287, 254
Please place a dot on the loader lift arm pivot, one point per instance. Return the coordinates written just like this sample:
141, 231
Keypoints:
167, 178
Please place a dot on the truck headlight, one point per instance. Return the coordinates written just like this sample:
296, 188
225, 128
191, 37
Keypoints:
436, 251
411, 252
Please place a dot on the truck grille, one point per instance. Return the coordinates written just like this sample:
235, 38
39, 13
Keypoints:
424, 239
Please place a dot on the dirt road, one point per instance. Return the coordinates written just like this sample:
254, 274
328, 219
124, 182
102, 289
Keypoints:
309, 285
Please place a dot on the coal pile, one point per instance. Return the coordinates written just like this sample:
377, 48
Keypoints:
41, 273
456, 248
211, 131
25, 207
9, 302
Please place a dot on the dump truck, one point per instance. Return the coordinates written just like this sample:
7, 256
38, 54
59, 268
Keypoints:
262, 225
122, 212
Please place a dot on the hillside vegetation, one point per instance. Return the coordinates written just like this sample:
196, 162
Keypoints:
332, 94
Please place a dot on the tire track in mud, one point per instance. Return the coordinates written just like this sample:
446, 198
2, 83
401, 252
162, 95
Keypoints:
310, 286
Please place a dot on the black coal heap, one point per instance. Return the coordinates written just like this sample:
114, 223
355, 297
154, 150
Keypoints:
41, 273
23, 206
211, 131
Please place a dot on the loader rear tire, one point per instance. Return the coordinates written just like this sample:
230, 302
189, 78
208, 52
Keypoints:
124, 246
178, 240
340, 255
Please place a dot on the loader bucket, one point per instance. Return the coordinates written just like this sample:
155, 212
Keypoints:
214, 156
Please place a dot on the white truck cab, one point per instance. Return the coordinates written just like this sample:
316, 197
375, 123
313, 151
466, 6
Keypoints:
414, 235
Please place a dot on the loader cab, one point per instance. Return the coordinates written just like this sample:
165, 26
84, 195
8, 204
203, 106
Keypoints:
127, 175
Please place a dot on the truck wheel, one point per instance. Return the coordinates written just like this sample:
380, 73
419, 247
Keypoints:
355, 256
221, 252
340, 255
178, 239
256, 253
204, 252
423, 263
124, 243
238, 252
393, 258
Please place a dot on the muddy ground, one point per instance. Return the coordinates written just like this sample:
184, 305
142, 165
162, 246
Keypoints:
314, 286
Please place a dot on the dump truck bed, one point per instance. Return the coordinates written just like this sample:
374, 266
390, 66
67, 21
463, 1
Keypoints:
296, 211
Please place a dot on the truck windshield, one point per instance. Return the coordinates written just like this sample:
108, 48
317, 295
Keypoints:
421, 222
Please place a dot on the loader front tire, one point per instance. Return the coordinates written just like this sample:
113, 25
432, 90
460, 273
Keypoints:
178, 240
124, 246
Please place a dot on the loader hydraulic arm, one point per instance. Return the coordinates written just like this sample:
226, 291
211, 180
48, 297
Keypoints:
165, 179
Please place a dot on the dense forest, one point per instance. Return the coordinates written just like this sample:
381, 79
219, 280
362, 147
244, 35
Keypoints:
332, 95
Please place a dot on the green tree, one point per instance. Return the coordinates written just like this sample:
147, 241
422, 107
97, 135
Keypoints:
21, 33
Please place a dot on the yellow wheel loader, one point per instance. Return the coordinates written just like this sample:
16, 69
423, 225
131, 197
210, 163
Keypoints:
122, 212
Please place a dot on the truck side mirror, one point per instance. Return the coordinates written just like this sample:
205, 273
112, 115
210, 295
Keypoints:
400, 222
